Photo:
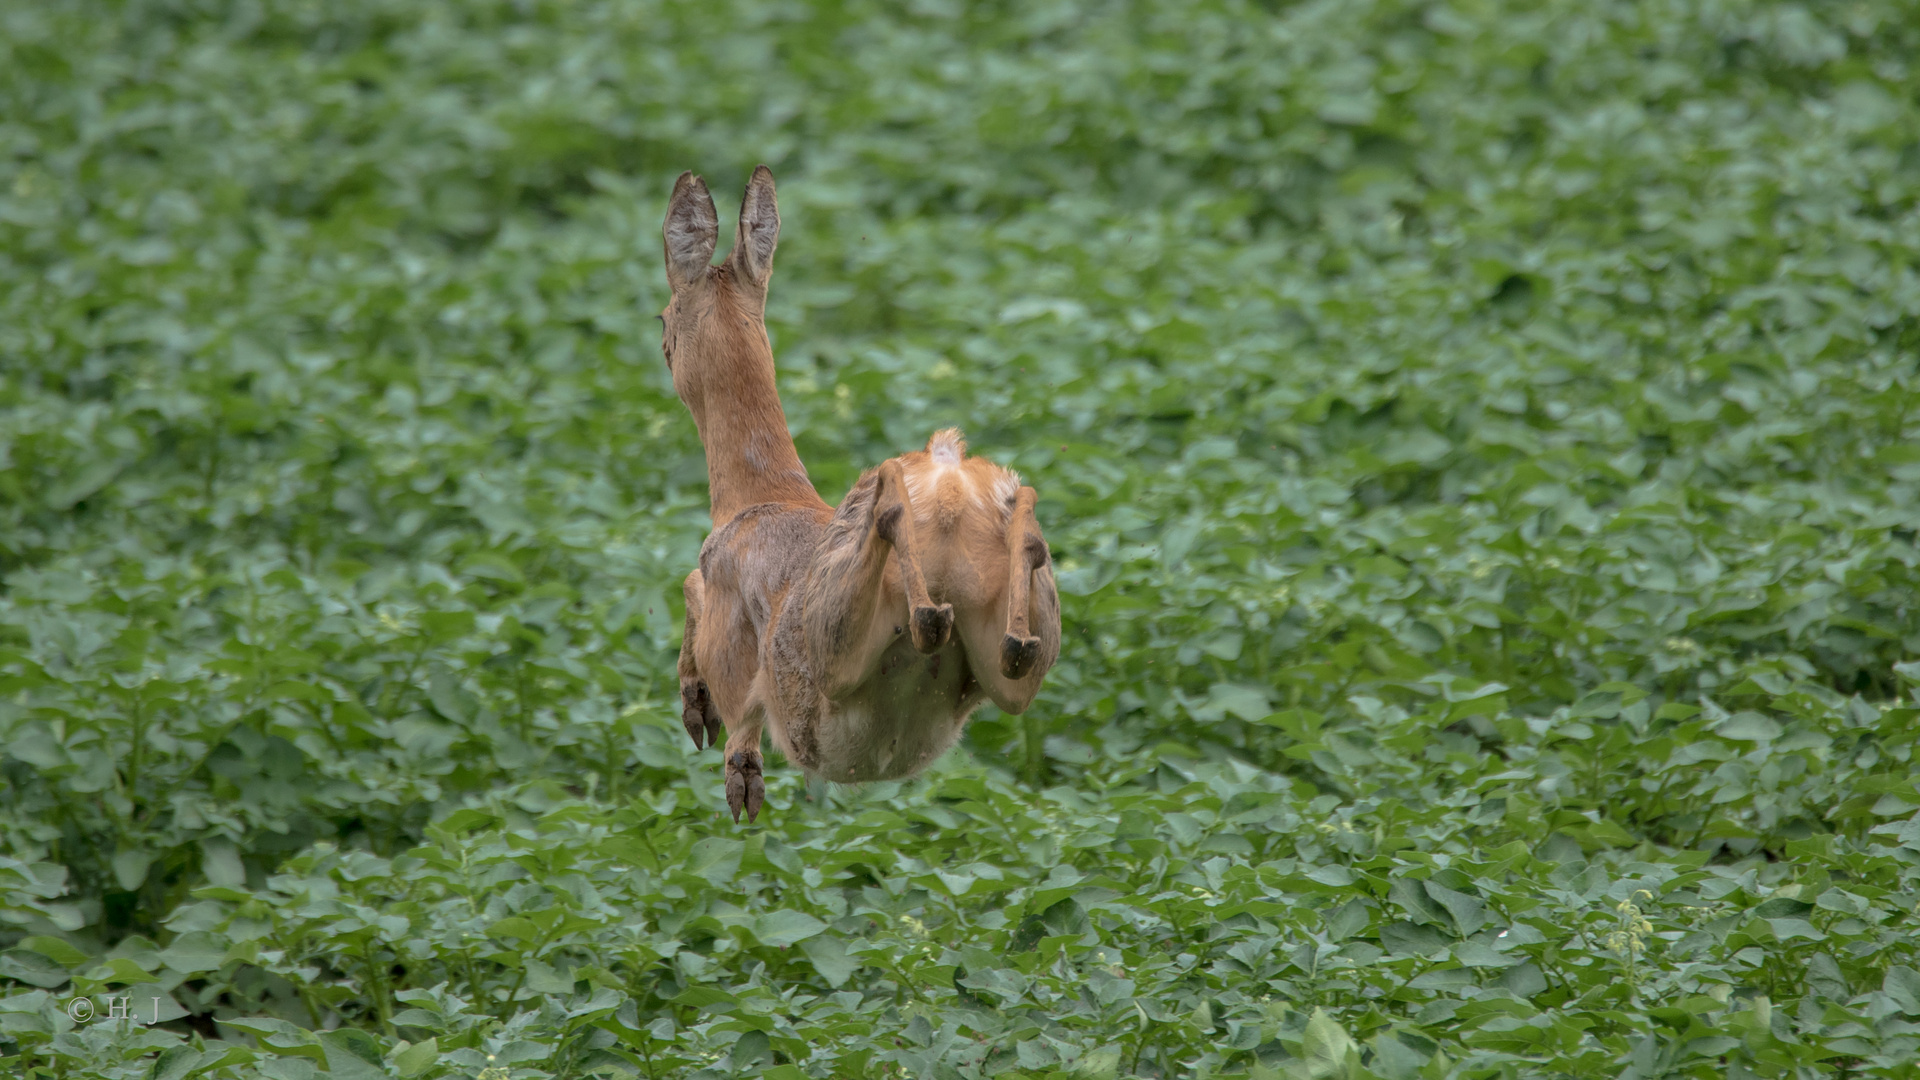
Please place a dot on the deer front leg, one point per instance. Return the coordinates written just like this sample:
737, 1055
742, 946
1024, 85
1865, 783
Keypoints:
745, 771
1026, 552
697, 711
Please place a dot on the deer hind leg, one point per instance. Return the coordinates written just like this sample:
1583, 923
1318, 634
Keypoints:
850, 618
698, 714
1012, 636
1026, 553
929, 624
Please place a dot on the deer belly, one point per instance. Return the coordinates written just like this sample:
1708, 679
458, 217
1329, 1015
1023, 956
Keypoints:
901, 720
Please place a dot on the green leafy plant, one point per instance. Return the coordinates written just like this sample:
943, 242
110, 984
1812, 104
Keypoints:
1477, 442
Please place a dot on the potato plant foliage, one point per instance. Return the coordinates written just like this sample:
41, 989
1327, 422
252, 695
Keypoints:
1478, 442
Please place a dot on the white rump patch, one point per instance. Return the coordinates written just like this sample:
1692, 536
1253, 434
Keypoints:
947, 447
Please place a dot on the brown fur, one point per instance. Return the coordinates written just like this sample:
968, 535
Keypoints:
861, 636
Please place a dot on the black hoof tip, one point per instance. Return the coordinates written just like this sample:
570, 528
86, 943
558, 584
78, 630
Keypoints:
1018, 655
932, 626
745, 788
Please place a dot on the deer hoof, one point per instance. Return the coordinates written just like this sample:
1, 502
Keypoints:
932, 626
696, 710
1018, 655
745, 788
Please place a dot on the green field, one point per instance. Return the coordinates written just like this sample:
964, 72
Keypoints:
1478, 443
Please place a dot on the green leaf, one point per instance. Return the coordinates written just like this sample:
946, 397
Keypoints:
418, 1058
1336, 876
1411, 939
1750, 726
1233, 699
1476, 955
55, 950
146, 1003
1347, 920
515, 926
352, 1054
220, 861
33, 969
783, 928
717, 859
1326, 1048
829, 957
130, 867
543, 978
1469, 913
1902, 985
179, 1062
1394, 1059
194, 952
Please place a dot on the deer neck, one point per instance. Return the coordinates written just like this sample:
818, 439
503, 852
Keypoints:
751, 458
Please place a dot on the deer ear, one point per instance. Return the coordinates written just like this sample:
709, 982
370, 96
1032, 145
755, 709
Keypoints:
691, 230
759, 228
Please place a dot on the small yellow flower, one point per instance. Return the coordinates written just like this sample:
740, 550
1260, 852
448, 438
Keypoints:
1630, 936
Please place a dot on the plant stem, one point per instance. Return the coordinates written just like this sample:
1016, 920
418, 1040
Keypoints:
1036, 739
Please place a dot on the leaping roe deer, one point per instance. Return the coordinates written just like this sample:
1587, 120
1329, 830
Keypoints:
861, 636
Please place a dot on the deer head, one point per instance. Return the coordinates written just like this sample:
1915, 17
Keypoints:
712, 305
714, 337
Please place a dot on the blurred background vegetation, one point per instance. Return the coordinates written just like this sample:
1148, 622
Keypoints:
1459, 425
